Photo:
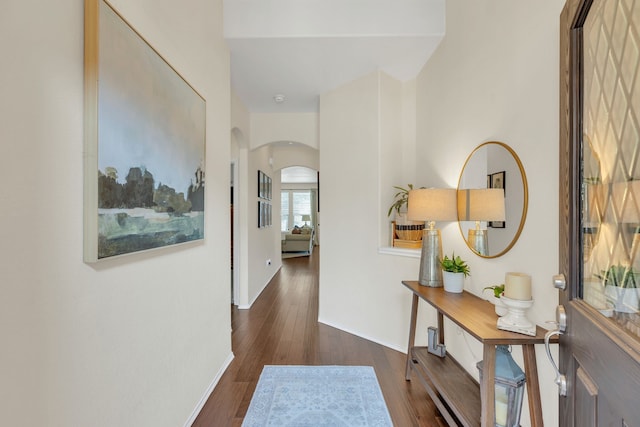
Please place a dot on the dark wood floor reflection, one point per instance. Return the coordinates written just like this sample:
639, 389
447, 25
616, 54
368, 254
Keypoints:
281, 328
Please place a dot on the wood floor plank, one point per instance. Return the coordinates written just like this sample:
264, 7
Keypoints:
281, 328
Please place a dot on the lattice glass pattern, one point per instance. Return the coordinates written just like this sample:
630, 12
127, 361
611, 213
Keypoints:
611, 151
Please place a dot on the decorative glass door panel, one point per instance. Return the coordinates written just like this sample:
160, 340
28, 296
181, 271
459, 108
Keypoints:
610, 161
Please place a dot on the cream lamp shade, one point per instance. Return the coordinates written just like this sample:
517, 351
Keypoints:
432, 204
482, 204
306, 217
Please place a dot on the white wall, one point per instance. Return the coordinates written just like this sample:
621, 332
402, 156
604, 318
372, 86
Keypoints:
360, 290
295, 155
495, 77
243, 202
275, 127
253, 246
135, 341
264, 243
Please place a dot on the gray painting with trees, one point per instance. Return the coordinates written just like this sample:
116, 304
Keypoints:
137, 214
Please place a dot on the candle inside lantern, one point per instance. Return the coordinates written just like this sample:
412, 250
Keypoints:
517, 286
502, 406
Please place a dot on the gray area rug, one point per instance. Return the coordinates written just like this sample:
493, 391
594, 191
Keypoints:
313, 396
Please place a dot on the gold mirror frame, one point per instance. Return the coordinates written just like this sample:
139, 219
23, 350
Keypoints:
525, 202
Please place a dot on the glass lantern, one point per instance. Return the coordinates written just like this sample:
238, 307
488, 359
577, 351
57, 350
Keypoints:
509, 380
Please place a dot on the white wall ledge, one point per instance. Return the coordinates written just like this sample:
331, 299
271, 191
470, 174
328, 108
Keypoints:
389, 250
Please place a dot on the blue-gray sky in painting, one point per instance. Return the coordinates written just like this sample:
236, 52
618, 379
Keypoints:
148, 116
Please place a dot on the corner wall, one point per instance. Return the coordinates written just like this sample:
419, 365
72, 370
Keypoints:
136, 341
360, 290
495, 78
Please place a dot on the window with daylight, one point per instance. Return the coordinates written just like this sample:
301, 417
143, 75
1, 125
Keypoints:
295, 204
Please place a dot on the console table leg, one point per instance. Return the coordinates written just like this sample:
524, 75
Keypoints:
412, 335
533, 385
488, 388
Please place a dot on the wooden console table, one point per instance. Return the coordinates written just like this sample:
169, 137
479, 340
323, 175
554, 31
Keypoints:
452, 389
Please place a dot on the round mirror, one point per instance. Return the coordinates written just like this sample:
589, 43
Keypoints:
492, 199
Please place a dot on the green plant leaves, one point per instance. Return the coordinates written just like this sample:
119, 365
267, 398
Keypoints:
497, 289
620, 276
401, 198
455, 264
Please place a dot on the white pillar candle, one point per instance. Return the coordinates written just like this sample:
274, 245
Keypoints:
517, 286
502, 407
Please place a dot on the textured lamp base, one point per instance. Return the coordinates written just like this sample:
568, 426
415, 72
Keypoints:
430, 270
478, 241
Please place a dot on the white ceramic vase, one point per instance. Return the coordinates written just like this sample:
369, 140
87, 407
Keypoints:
453, 282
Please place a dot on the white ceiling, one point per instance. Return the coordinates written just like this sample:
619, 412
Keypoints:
304, 48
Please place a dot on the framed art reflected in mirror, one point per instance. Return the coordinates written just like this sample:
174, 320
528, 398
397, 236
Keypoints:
497, 180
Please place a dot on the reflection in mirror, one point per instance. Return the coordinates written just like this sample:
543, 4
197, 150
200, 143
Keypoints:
492, 199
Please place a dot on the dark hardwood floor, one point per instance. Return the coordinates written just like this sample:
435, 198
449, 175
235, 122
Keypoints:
282, 328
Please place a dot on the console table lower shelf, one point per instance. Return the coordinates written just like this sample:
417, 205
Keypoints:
454, 392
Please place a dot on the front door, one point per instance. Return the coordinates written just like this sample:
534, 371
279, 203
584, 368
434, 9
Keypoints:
600, 212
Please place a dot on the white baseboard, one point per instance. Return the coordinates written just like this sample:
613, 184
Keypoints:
247, 307
391, 346
208, 392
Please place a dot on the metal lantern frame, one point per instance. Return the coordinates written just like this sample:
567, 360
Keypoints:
509, 388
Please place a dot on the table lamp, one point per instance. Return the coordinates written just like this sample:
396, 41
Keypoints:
306, 218
482, 204
431, 205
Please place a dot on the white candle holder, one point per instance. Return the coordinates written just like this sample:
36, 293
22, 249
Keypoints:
516, 318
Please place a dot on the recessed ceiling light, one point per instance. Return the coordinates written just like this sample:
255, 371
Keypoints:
279, 98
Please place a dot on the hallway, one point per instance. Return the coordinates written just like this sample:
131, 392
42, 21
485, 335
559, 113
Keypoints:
281, 328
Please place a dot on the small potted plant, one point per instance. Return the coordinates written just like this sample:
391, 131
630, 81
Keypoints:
404, 229
454, 270
621, 287
498, 290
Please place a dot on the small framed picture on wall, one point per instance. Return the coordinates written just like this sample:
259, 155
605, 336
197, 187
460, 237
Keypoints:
497, 180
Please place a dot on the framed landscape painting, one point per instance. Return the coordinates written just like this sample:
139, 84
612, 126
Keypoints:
144, 143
